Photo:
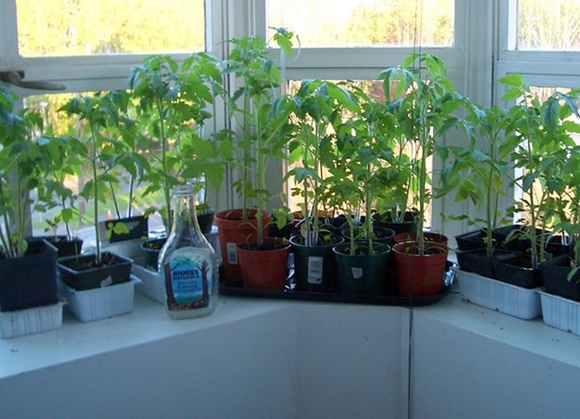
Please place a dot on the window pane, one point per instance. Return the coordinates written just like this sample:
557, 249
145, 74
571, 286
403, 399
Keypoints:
57, 124
549, 25
365, 23
94, 27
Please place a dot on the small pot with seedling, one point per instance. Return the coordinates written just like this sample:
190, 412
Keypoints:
173, 102
27, 267
96, 113
318, 106
357, 173
260, 129
431, 104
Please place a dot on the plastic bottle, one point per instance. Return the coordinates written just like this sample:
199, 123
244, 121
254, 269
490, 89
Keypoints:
188, 264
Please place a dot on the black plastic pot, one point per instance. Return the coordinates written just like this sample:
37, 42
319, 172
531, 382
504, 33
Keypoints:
363, 273
407, 225
81, 273
556, 247
501, 234
383, 235
472, 240
478, 262
151, 249
64, 246
555, 273
517, 271
205, 221
138, 228
315, 267
282, 233
29, 281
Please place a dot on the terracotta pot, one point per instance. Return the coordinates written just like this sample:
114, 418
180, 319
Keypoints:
412, 236
418, 275
265, 269
233, 231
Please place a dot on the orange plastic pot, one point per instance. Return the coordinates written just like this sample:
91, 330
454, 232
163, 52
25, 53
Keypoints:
420, 275
265, 269
232, 232
412, 236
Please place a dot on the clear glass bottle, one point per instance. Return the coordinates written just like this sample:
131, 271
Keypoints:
188, 264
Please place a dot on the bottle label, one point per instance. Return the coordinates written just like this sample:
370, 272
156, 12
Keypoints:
315, 265
188, 275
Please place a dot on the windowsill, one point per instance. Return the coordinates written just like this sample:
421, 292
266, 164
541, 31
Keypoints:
149, 323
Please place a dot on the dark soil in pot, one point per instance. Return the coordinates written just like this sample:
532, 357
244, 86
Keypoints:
83, 272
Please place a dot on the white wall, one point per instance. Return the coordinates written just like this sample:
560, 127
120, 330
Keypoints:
263, 359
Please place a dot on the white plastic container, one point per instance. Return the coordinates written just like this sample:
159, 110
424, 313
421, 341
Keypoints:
150, 284
561, 313
509, 299
100, 303
31, 320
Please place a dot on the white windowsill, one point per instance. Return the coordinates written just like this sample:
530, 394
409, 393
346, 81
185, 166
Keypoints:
148, 323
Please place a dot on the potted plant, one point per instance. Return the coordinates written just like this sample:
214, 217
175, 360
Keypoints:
430, 103
261, 127
560, 298
318, 105
56, 197
541, 150
396, 202
125, 167
27, 268
173, 104
479, 172
85, 275
356, 175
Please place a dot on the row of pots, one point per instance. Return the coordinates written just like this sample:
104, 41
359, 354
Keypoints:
328, 267
511, 262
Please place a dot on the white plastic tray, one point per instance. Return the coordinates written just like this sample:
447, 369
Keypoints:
509, 299
100, 303
560, 312
31, 320
150, 284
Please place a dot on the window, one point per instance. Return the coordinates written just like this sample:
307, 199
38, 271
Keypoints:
362, 23
548, 25
64, 28
91, 46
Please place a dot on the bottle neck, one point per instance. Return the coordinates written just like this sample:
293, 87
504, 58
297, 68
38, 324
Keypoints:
184, 214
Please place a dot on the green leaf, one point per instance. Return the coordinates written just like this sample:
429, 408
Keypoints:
514, 79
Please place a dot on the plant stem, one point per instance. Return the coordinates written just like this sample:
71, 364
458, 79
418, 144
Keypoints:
95, 194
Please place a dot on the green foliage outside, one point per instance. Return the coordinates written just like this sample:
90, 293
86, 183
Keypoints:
90, 27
